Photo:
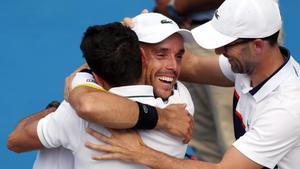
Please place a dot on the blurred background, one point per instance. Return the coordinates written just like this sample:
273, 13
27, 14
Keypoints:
39, 42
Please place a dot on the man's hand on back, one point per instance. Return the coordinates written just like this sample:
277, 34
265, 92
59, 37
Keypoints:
176, 120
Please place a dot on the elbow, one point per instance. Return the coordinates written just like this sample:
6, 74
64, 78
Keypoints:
12, 144
83, 106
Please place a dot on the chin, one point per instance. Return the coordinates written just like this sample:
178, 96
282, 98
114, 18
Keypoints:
164, 94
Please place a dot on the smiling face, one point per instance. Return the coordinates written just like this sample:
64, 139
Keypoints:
163, 64
239, 56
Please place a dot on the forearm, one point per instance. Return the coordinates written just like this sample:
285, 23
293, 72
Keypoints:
107, 109
117, 112
203, 70
24, 136
104, 108
158, 160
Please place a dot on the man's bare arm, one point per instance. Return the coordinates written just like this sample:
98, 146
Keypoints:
24, 137
117, 112
104, 108
203, 70
129, 147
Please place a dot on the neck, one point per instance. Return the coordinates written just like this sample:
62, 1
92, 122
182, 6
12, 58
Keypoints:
101, 82
271, 60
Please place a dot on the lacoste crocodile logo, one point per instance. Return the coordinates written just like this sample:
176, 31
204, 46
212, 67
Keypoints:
164, 21
217, 15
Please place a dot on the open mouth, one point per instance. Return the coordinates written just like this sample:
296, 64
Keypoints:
166, 79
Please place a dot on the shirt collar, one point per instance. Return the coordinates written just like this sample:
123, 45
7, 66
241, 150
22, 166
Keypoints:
264, 88
133, 91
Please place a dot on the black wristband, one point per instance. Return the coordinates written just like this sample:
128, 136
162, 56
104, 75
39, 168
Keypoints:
148, 117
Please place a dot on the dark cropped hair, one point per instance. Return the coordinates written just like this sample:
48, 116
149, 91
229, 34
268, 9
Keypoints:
273, 39
112, 52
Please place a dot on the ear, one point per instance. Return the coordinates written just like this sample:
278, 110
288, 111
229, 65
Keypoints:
143, 56
98, 79
258, 46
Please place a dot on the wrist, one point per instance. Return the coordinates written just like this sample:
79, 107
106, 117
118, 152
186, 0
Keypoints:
161, 122
148, 117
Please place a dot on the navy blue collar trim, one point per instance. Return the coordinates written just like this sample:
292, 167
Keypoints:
175, 88
140, 96
286, 55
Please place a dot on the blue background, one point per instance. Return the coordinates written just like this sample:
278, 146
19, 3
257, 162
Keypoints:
39, 42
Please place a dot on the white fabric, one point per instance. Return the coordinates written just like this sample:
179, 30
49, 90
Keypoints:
271, 117
155, 27
83, 78
54, 158
65, 128
239, 19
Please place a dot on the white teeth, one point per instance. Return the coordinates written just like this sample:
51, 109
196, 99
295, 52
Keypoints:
167, 79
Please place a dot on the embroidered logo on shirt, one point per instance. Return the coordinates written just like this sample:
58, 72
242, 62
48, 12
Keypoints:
216, 14
164, 21
145, 109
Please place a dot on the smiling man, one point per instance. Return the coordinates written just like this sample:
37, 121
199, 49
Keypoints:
161, 58
266, 97
162, 43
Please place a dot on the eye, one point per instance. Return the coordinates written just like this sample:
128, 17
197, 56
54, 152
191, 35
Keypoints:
161, 55
179, 56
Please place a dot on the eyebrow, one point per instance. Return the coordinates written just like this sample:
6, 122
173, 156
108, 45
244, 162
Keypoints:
156, 50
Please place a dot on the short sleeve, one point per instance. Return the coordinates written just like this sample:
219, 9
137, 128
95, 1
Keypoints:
61, 128
272, 136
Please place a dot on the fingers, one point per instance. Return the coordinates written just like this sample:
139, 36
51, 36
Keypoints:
145, 11
106, 148
128, 22
189, 131
109, 156
67, 87
68, 81
99, 136
188, 136
113, 153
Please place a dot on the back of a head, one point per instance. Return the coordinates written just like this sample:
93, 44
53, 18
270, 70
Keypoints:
112, 52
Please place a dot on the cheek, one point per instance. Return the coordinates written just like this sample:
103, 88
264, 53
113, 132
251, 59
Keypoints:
179, 66
155, 66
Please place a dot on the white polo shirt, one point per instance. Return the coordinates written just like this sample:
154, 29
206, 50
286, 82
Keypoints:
54, 158
65, 128
270, 115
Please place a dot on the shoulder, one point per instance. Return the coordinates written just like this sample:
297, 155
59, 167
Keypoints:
182, 90
185, 96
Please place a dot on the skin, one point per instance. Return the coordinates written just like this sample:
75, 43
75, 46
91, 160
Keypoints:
257, 58
240, 60
161, 68
163, 64
195, 69
130, 148
23, 138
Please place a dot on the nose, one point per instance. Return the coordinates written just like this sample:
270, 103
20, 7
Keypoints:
172, 63
220, 50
